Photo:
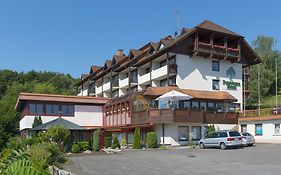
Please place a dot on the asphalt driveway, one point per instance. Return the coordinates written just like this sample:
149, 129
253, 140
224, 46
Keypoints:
261, 159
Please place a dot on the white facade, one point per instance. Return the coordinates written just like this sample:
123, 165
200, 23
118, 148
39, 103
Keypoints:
269, 132
171, 133
196, 73
85, 116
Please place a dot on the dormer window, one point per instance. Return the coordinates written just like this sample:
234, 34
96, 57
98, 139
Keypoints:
215, 66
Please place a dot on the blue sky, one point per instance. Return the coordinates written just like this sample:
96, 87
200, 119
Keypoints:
69, 36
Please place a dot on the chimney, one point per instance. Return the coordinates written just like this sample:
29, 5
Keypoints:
120, 52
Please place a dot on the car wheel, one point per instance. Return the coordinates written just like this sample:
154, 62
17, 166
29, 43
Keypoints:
250, 144
201, 146
223, 146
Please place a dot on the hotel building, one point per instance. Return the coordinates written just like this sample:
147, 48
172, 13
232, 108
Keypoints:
205, 62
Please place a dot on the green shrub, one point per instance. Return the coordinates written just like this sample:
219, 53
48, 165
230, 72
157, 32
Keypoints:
115, 143
136, 142
96, 140
211, 128
151, 140
84, 145
75, 148
124, 142
162, 147
58, 134
57, 157
15, 143
107, 141
39, 155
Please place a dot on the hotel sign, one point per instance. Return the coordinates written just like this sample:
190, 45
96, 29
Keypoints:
231, 85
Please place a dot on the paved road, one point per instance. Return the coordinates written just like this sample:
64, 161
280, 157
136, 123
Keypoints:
263, 159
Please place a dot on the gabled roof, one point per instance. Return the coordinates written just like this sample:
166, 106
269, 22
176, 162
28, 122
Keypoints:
84, 76
155, 46
107, 64
117, 58
135, 53
167, 40
208, 25
94, 69
58, 122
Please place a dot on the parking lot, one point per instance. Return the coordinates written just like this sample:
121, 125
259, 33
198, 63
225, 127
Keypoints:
261, 159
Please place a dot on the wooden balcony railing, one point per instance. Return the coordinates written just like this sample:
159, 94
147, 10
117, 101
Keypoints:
183, 116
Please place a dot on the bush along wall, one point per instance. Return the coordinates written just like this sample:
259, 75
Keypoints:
115, 143
151, 140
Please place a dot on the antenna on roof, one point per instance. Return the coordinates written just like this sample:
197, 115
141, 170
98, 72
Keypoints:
178, 18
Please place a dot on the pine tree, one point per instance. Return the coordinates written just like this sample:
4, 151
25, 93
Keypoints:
136, 143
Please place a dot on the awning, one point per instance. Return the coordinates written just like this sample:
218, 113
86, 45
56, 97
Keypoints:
174, 96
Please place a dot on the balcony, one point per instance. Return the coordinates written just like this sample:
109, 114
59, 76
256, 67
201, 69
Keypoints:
144, 79
98, 89
124, 83
183, 116
106, 86
159, 73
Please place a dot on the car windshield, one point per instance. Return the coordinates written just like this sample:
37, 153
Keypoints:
234, 134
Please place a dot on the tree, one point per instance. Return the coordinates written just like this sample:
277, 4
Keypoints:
96, 140
263, 45
211, 128
151, 140
57, 134
37, 121
115, 143
136, 142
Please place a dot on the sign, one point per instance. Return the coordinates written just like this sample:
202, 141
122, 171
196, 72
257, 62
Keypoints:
231, 85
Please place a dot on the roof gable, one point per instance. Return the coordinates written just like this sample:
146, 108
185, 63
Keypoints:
208, 25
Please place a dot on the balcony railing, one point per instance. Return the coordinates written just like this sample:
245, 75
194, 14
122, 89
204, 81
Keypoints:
183, 116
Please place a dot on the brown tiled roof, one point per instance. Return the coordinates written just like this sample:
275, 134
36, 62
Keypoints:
196, 94
136, 52
24, 97
170, 42
84, 76
118, 58
263, 118
94, 68
108, 64
208, 25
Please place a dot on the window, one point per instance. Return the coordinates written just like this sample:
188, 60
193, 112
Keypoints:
216, 84
172, 60
172, 80
258, 129
211, 106
115, 93
115, 80
222, 134
183, 133
195, 105
243, 128
67, 110
52, 109
92, 88
277, 129
196, 132
186, 104
219, 107
203, 106
147, 70
35, 108
175, 104
215, 66
163, 63
134, 76
234, 134
163, 83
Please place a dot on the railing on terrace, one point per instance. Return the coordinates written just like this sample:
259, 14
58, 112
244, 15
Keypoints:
183, 116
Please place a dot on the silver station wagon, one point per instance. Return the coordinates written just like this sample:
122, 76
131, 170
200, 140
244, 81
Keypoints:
221, 139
